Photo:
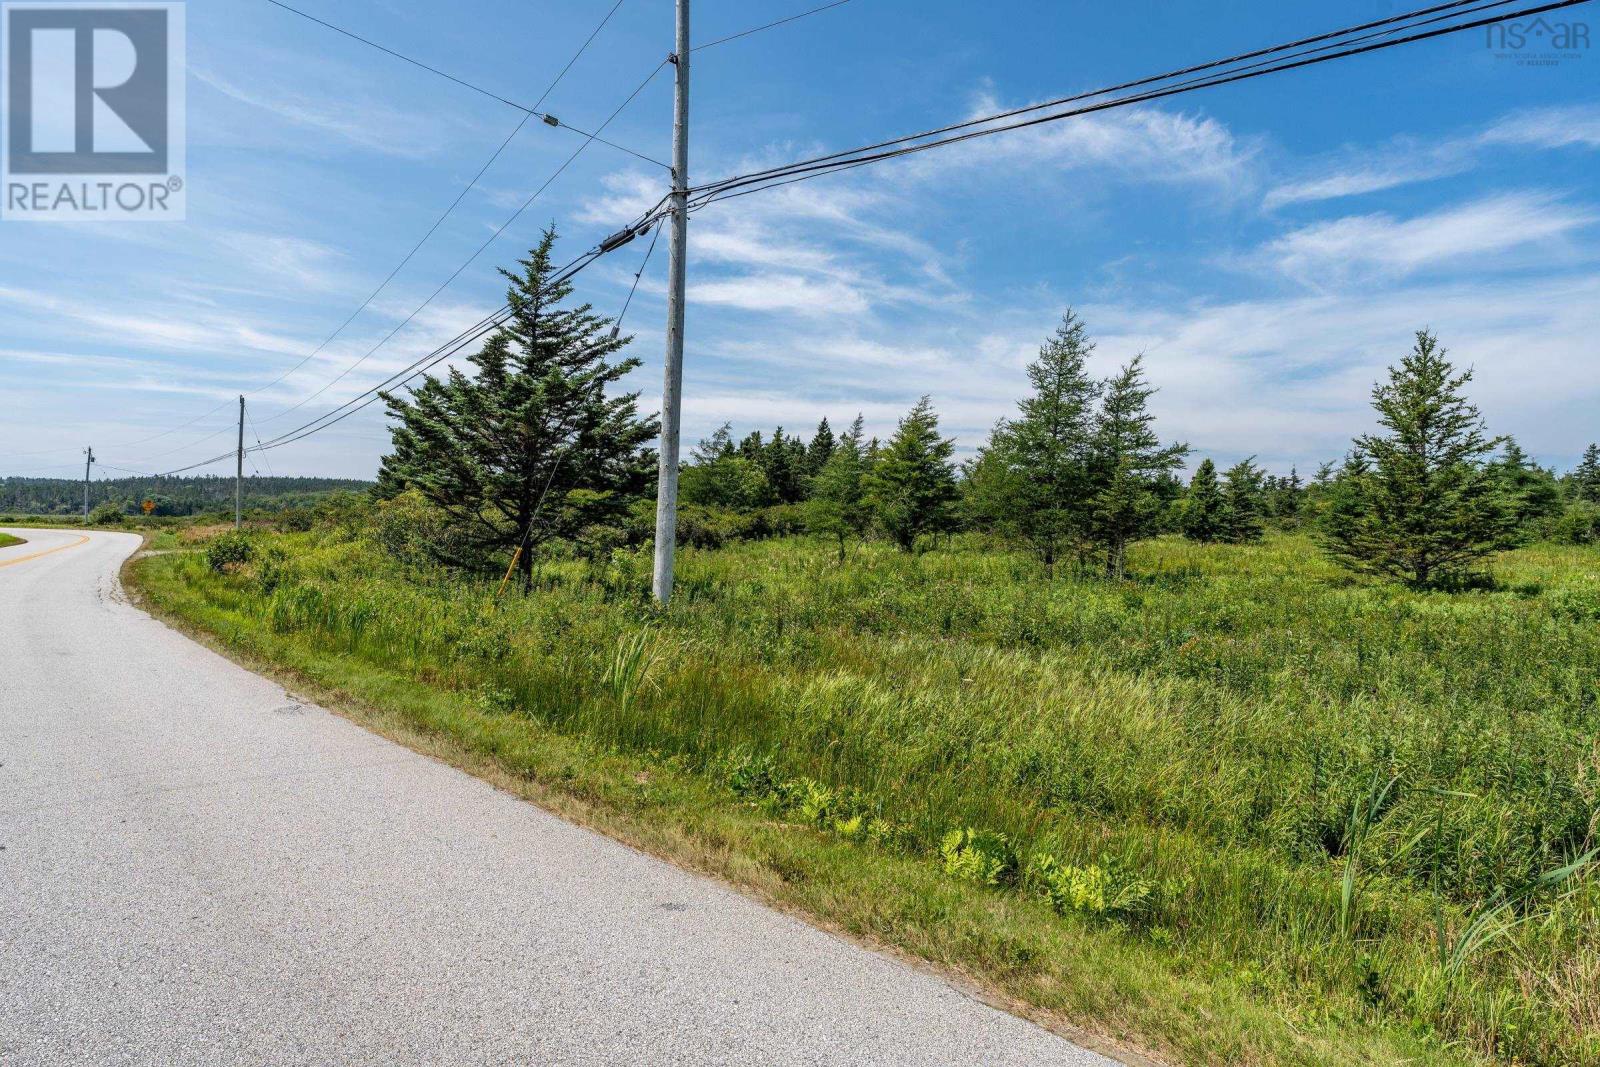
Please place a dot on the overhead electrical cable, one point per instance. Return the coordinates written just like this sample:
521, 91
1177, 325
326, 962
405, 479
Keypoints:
548, 119
499, 150
477, 252
768, 26
1344, 44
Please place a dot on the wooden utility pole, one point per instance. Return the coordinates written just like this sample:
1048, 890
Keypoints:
672, 389
238, 472
88, 460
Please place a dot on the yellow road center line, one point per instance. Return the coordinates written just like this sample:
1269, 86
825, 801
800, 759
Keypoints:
84, 539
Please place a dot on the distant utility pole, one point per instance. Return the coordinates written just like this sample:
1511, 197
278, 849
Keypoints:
677, 248
88, 460
238, 471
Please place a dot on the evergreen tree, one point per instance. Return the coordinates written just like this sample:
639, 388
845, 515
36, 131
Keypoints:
720, 477
1204, 509
753, 448
821, 447
912, 486
1586, 476
837, 506
783, 460
1126, 459
1286, 498
1532, 492
1033, 480
1419, 503
530, 446
1242, 493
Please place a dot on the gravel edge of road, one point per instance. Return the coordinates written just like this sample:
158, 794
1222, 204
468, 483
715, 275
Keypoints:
590, 816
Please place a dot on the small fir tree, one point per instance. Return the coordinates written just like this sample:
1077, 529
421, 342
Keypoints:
531, 446
820, 450
1033, 480
1126, 460
912, 484
1419, 503
1244, 499
1585, 477
1532, 492
1204, 509
837, 506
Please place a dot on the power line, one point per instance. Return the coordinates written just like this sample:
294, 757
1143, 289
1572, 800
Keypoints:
420, 366
1345, 45
480, 249
617, 326
1139, 82
257, 435
398, 55
548, 119
401, 265
768, 26
528, 112
499, 150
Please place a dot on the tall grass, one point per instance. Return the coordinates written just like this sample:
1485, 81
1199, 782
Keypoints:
1350, 795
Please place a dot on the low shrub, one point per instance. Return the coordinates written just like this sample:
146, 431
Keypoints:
108, 514
229, 551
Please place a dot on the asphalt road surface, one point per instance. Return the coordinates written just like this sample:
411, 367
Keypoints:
199, 869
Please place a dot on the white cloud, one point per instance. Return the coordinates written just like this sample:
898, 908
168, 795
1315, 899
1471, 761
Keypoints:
366, 123
1406, 161
1552, 127
1383, 246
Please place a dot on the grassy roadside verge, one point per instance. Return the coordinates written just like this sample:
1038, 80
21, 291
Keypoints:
8, 540
1092, 982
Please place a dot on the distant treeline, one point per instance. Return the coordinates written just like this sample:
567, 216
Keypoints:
171, 496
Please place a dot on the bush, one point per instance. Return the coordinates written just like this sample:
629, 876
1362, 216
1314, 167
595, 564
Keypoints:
229, 551
1578, 525
416, 533
344, 511
108, 514
295, 520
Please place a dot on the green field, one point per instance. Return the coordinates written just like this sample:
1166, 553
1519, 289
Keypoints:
1237, 808
7, 540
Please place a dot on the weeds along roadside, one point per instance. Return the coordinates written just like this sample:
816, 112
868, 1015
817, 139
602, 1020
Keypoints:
1176, 760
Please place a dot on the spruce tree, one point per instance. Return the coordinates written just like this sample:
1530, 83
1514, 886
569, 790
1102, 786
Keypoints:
1532, 492
821, 447
1419, 503
1204, 509
1286, 499
1034, 478
912, 485
718, 476
837, 506
1586, 476
1126, 461
1244, 500
530, 446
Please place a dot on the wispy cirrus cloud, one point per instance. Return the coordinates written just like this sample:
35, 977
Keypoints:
365, 123
1406, 161
1380, 245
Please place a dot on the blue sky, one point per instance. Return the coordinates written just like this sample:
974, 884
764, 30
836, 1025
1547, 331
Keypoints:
1269, 246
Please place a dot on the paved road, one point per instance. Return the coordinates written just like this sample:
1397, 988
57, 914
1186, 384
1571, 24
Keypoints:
198, 869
